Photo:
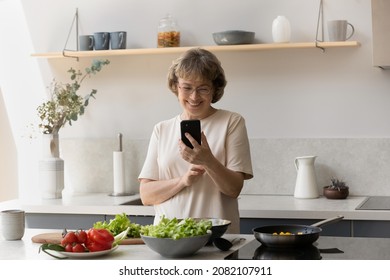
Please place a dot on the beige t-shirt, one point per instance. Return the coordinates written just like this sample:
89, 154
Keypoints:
227, 137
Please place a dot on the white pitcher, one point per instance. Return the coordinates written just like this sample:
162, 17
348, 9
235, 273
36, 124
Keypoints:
306, 184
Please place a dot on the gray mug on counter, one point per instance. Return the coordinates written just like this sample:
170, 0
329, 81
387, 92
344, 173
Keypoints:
118, 40
86, 42
12, 224
102, 40
337, 30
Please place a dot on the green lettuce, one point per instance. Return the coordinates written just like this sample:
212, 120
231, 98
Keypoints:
176, 229
119, 224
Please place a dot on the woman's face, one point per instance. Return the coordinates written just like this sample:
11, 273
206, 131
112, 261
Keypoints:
195, 98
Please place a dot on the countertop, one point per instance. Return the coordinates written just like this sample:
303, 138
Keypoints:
250, 206
25, 249
325, 248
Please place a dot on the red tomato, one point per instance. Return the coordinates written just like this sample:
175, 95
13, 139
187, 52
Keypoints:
69, 238
78, 248
81, 236
69, 248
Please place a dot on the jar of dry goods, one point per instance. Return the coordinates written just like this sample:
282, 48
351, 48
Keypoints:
168, 33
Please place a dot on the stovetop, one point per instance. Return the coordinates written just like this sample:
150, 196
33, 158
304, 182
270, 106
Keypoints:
325, 248
375, 203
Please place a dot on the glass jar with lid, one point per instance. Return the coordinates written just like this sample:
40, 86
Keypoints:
168, 33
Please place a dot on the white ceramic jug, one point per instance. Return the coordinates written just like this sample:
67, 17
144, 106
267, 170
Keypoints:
281, 30
306, 184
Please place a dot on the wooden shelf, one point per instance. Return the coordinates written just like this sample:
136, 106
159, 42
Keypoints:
229, 48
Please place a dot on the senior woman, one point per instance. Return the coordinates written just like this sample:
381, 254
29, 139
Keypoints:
203, 181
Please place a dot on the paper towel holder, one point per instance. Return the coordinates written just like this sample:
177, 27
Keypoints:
119, 154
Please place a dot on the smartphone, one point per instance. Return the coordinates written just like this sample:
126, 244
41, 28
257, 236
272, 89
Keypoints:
193, 128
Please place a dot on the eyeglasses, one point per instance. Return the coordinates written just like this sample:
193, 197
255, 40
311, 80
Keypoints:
202, 90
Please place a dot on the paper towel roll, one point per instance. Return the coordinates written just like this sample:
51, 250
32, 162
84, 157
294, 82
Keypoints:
119, 173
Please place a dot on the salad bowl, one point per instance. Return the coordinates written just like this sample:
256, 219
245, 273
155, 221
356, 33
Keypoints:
176, 248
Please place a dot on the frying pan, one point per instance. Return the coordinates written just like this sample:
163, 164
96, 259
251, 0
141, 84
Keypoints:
301, 235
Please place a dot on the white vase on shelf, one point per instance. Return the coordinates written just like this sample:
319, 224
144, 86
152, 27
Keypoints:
51, 168
281, 30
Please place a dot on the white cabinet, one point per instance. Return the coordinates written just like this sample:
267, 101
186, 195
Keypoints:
380, 33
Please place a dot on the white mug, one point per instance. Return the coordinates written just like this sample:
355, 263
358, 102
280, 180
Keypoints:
12, 224
337, 30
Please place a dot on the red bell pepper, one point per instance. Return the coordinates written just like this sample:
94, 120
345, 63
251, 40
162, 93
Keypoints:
99, 240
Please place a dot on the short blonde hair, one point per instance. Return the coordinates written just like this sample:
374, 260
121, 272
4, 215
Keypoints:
198, 64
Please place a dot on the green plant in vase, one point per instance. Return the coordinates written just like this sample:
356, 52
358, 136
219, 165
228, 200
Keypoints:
65, 104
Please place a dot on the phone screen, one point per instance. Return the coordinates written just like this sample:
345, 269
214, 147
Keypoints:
193, 128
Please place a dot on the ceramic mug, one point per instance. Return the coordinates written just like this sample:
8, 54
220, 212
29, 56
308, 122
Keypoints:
12, 224
337, 30
102, 40
86, 42
118, 40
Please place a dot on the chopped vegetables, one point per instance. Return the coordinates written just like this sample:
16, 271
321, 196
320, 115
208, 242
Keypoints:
287, 233
176, 229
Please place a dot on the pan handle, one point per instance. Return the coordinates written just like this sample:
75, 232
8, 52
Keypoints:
328, 221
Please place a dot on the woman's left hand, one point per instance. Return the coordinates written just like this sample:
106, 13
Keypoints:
200, 154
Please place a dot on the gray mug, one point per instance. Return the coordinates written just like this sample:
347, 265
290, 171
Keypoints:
102, 40
337, 30
12, 224
118, 40
86, 42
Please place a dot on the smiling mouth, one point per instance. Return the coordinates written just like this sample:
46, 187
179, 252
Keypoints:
192, 104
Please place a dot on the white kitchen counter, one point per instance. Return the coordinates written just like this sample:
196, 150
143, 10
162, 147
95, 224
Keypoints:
250, 206
25, 249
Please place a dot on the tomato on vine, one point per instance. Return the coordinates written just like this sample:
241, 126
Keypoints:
69, 238
81, 236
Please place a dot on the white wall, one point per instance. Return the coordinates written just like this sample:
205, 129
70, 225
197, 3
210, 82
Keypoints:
8, 163
289, 94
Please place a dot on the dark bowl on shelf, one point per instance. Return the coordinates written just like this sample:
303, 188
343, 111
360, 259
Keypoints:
234, 37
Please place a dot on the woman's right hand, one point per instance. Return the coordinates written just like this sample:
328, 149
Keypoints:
193, 174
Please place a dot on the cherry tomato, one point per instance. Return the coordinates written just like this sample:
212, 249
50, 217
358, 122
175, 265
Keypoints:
69, 247
81, 236
78, 248
69, 238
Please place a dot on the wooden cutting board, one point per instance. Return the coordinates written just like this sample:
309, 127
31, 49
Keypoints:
55, 238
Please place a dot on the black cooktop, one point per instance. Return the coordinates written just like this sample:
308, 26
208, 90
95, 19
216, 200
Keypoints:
325, 248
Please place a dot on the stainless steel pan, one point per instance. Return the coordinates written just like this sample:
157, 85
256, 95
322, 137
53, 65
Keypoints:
301, 235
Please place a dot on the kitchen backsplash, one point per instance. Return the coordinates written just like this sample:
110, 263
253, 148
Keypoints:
363, 163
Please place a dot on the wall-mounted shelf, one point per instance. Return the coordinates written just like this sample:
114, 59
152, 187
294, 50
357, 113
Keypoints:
230, 48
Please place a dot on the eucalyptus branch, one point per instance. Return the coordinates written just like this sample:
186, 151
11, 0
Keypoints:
65, 104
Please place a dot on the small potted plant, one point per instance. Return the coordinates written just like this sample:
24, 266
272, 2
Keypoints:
337, 190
